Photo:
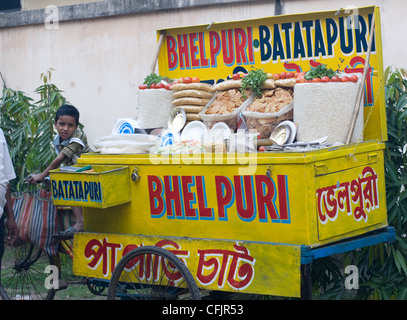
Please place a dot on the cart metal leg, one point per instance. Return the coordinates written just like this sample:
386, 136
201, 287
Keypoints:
306, 284
308, 254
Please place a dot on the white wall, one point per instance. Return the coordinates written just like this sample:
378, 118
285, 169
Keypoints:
99, 63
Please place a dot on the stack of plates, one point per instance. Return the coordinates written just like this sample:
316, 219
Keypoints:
193, 131
284, 133
126, 126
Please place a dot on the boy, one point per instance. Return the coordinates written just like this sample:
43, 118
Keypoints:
69, 143
6, 209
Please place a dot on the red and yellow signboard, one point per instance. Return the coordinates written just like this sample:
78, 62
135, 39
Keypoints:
216, 265
290, 43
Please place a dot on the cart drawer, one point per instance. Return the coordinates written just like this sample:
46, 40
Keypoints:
106, 186
351, 200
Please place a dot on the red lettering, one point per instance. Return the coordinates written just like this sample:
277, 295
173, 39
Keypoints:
172, 195
129, 248
292, 67
244, 198
204, 61
226, 266
240, 46
155, 188
172, 55
188, 196
227, 47
183, 51
126, 250
357, 197
193, 49
214, 46
283, 197
250, 41
368, 84
224, 194
204, 212
96, 250
265, 192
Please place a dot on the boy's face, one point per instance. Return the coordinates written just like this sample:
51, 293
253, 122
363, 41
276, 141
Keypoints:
65, 127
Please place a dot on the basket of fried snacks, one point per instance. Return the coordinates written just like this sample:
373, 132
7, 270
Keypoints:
226, 104
268, 110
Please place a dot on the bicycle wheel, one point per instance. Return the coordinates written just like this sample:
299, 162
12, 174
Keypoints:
152, 273
23, 274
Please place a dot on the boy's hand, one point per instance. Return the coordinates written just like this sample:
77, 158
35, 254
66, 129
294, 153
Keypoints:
12, 231
34, 179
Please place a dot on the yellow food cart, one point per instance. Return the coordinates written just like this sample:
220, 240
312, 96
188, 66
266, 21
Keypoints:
242, 222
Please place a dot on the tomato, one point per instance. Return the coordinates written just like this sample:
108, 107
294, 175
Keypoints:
290, 75
325, 79
180, 80
316, 80
345, 79
276, 76
335, 79
262, 148
283, 75
152, 86
142, 86
187, 80
236, 76
354, 78
300, 79
299, 74
196, 80
168, 86
159, 85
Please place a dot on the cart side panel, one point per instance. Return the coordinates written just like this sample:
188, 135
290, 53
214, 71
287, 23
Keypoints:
351, 200
233, 266
213, 201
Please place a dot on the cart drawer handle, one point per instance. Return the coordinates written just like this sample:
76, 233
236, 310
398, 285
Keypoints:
320, 168
372, 157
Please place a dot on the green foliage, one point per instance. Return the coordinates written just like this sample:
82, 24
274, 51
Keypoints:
28, 128
154, 78
254, 80
319, 72
383, 267
386, 266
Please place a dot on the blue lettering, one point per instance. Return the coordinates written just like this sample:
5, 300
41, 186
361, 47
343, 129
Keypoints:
287, 27
265, 46
331, 35
319, 48
298, 47
278, 49
345, 48
308, 25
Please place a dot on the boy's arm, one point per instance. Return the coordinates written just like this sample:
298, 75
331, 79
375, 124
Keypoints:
11, 222
54, 165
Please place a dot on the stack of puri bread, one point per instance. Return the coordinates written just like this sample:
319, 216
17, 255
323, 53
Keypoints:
192, 97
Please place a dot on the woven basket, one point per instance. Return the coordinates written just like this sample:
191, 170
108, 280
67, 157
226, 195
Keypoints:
265, 123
